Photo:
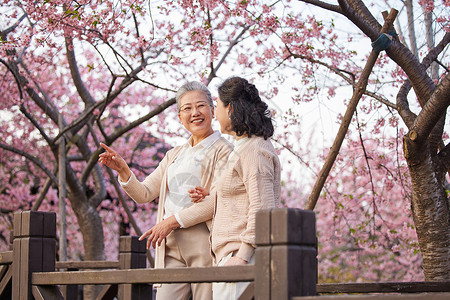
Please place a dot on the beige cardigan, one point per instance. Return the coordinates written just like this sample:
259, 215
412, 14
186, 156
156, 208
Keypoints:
156, 185
251, 182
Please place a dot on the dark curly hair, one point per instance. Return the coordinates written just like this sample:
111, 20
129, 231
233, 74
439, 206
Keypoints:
248, 113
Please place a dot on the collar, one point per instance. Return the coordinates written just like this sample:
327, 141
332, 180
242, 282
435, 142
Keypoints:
207, 142
240, 142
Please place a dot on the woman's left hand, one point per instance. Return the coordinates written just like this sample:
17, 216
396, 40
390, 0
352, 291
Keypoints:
198, 193
235, 261
158, 233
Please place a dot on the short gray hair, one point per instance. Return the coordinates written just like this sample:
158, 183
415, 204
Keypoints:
193, 86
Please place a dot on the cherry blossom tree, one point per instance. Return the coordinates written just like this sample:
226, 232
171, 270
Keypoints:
75, 73
424, 147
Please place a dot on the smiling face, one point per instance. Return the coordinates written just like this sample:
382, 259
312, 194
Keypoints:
196, 114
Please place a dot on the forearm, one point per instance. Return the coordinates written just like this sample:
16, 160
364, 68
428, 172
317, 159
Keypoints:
198, 212
124, 174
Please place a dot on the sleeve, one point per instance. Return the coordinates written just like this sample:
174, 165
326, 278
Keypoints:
147, 190
203, 211
198, 212
258, 177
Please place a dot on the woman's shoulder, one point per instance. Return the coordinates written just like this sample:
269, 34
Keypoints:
221, 144
257, 149
173, 153
259, 144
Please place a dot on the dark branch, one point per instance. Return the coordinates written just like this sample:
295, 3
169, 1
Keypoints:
31, 158
19, 87
160, 108
324, 5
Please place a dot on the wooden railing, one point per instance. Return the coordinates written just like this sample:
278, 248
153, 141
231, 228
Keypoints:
285, 266
285, 262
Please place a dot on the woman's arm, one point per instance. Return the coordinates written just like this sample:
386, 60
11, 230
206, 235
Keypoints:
203, 211
258, 176
113, 160
147, 190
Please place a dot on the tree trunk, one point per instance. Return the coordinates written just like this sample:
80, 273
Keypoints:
90, 225
431, 212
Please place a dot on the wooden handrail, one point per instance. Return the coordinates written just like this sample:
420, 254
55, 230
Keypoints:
134, 276
6, 257
87, 264
385, 287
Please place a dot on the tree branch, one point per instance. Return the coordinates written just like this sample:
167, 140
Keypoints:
31, 158
361, 9
340, 73
16, 78
433, 110
403, 106
351, 108
233, 43
141, 51
411, 29
444, 156
38, 127
324, 5
42, 194
436, 51
160, 108
74, 71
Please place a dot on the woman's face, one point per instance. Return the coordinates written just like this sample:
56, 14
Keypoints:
196, 113
223, 117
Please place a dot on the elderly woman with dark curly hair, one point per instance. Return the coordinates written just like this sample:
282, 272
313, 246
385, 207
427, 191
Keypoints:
250, 181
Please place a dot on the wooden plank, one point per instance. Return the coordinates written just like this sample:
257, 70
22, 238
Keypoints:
6, 257
293, 226
69, 292
49, 226
16, 265
88, 264
132, 244
32, 224
109, 292
248, 293
45, 292
262, 273
48, 258
17, 224
292, 271
175, 275
385, 287
35, 224
262, 237
6, 282
31, 254
132, 260
3, 270
422, 296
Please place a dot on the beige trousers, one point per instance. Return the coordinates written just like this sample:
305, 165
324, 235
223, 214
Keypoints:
229, 290
187, 247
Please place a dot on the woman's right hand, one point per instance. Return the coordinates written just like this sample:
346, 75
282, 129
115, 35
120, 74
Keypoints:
113, 160
198, 193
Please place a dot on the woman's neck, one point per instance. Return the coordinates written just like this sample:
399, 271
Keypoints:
198, 138
236, 137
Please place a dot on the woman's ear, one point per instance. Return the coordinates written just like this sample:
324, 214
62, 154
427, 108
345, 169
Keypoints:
230, 108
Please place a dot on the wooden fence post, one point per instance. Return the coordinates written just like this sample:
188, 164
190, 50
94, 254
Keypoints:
34, 249
286, 254
132, 255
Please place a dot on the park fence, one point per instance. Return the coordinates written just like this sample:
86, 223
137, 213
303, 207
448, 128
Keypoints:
285, 266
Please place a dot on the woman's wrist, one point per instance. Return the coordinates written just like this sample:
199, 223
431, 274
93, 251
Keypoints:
125, 175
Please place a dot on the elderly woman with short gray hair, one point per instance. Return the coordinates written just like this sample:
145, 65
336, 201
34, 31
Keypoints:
184, 167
